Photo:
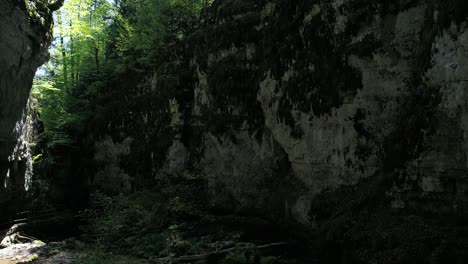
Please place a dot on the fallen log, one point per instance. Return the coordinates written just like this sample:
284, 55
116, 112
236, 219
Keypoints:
222, 252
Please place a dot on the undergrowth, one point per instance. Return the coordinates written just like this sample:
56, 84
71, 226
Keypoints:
144, 224
162, 224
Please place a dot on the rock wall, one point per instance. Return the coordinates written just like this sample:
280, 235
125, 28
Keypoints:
25, 30
346, 117
303, 97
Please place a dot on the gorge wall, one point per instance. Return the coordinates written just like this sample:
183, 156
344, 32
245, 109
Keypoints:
284, 100
348, 117
25, 30
296, 99
345, 118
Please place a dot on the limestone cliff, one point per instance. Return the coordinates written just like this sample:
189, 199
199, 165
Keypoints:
347, 117
25, 30
295, 98
341, 115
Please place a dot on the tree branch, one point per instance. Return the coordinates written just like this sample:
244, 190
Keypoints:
192, 258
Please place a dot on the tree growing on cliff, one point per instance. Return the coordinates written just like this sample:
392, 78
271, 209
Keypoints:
96, 42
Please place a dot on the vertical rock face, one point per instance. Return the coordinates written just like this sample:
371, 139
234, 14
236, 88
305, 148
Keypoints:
348, 117
344, 116
295, 99
25, 36
301, 109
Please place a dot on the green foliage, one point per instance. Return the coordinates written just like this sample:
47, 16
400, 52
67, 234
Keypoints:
145, 29
39, 190
37, 10
100, 257
142, 224
36, 158
32, 258
111, 219
95, 41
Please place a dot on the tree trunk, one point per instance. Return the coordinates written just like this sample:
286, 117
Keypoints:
62, 48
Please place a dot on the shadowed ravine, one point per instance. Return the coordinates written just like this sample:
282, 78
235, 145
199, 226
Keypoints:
234, 131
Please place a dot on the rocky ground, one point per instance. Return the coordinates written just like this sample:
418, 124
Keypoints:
19, 253
16, 247
54, 253
216, 243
